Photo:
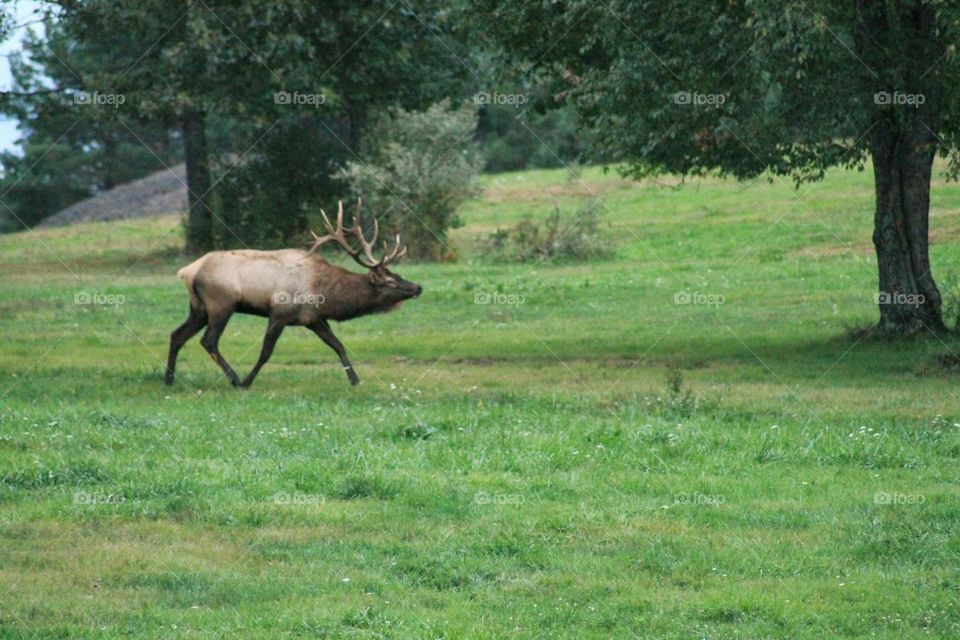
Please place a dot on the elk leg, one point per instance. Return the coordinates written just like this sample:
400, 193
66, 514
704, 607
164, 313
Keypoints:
323, 330
274, 329
211, 342
195, 321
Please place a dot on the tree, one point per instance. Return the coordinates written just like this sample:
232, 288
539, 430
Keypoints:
744, 88
71, 146
191, 63
368, 57
229, 61
515, 139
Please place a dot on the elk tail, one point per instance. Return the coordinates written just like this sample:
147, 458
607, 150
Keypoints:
189, 274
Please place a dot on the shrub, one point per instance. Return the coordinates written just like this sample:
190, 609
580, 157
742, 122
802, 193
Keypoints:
950, 292
423, 167
577, 238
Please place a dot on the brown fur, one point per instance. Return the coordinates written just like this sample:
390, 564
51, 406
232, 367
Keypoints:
290, 287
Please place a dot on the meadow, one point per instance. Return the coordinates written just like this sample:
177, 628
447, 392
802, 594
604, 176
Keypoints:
695, 437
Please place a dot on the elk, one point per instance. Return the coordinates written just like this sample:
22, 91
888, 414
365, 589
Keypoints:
289, 287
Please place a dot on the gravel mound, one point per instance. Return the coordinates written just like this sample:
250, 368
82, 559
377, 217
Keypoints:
160, 193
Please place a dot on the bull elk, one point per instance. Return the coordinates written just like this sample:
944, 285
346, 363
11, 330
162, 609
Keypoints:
289, 287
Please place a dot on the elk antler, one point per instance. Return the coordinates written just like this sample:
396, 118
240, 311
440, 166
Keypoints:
364, 255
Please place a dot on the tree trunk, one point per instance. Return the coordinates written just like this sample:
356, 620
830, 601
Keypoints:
109, 180
199, 216
903, 150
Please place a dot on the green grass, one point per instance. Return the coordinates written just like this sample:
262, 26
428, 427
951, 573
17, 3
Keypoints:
595, 462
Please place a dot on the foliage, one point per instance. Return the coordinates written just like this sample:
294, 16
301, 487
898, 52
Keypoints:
222, 64
579, 237
70, 150
513, 140
423, 166
293, 153
771, 88
32, 195
744, 88
951, 298
264, 199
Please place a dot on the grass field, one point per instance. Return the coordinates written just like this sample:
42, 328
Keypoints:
596, 462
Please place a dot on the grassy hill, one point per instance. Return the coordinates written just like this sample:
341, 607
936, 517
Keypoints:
598, 461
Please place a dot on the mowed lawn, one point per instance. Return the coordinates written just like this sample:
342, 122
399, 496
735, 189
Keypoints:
536, 451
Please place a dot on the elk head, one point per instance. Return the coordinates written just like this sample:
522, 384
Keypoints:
389, 289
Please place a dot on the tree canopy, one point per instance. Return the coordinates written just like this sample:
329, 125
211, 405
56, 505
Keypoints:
744, 88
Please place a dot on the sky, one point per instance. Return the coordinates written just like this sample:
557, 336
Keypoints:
23, 10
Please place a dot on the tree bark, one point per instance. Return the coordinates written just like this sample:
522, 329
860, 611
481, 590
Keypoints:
199, 215
903, 149
109, 161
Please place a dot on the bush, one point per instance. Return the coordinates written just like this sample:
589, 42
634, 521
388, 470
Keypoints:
578, 238
950, 292
423, 167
